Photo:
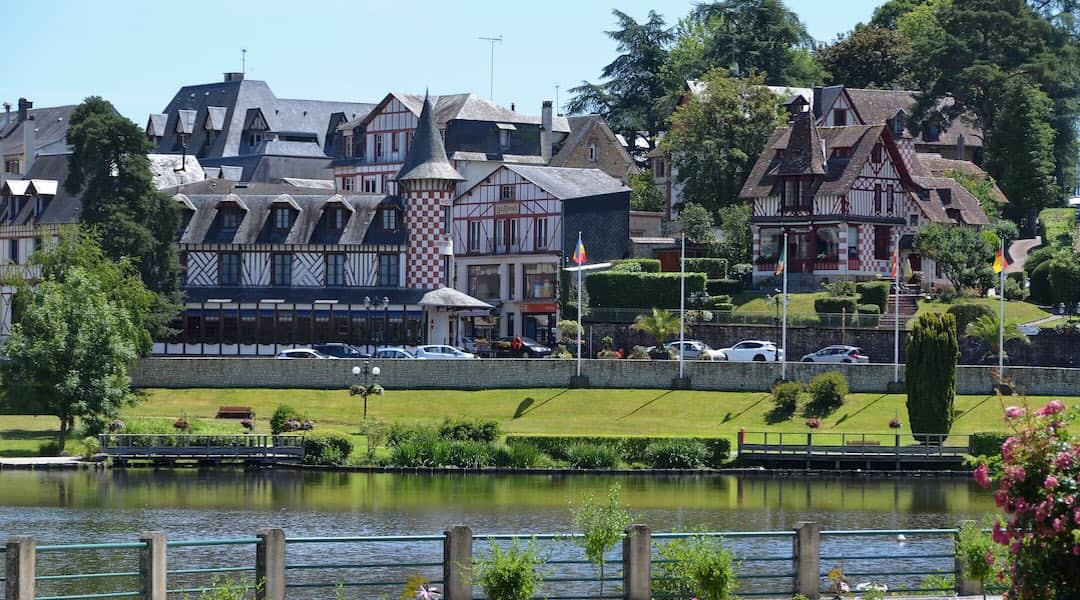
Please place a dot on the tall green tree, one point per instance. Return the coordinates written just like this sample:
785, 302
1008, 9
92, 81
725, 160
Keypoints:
633, 82
888, 13
930, 375
697, 223
716, 137
78, 330
109, 167
736, 240
963, 254
867, 57
644, 195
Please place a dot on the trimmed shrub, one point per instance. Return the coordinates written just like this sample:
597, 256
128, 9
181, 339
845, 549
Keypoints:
676, 454
626, 290
724, 307
518, 456
327, 449
283, 413
967, 313
630, 449
730, 287
841, 288
932, 351
987, 443
714, 301
714, 268
1014, 291
592, 456
869, 315
869, 309
873, 292
467, 454
834, 305
646, 265
827, 393
475, 430
786, 396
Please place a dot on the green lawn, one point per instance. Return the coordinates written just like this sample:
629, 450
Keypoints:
1015, 311
753, 302
1058, 222
23, 435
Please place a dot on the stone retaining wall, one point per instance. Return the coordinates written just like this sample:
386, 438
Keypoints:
553, 373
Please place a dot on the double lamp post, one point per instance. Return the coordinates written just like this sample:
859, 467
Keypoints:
369, 387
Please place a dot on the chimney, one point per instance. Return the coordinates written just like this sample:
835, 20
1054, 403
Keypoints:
29, 139
817, 101
234, 76
513, 107
545, 131
7, 112
24, 108
961, 147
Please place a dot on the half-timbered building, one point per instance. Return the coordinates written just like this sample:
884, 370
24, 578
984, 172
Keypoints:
846, 196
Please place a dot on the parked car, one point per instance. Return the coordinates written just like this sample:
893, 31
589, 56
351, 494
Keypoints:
340, 350
529, 348
694, 350
393, 352
837, 354
751, 350
436, 351
296, 353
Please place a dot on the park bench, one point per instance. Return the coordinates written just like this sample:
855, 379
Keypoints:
235, 412
862, 443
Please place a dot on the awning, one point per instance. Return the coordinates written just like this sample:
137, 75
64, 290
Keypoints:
452, 299
506, 126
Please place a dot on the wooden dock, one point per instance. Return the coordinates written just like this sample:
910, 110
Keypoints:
852, 451
165, 449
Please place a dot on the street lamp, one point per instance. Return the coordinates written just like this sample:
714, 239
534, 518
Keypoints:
367, 325
369, 386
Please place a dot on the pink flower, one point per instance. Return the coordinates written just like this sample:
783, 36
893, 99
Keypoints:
1051, 482
1000, 535
1076, 550
1007, 448
1059, 526
1016, 473
1063, 460
1052, 408
982, 476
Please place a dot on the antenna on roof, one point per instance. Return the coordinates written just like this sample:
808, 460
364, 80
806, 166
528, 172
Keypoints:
557, 98
492, 40
243, 61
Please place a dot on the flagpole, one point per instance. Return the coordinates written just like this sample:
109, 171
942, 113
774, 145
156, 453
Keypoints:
1001, 317
682, 301
896, 310
783, 332
579, 312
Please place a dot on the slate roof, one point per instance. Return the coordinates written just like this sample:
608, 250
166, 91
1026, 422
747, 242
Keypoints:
50, 123
427, 157
839, 172
937, 166
804, 154
167, 173
937, 203
63, 208
565, 183
155, 125
878, 106
580, 126
466, 107
267, 168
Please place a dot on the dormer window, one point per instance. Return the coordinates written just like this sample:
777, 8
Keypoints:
592, 151
347, 142
230, 219
931, 132
875, 154
255, 138
843, 152
389, 219
255, 132
839, 117
283, 218
336, 218
946, 196
504, 140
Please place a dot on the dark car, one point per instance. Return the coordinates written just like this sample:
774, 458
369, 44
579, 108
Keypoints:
524, 347
340, 350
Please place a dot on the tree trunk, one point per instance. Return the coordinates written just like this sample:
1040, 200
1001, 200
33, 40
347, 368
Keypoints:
65, 420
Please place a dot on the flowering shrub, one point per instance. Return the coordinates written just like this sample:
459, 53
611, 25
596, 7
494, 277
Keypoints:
181, 424
247, 424
894, 423
813, 423
1037, 487
116, 426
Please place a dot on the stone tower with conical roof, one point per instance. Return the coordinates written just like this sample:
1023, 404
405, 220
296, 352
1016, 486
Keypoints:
426, 182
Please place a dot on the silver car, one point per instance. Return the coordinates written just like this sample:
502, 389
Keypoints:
441, 352
694, 350
296, 353
393, 352
838, 354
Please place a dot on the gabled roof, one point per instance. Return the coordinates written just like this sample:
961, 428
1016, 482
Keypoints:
580, 126
937, 166
466, 107
427, 157
805, 152
564, 183
50, 125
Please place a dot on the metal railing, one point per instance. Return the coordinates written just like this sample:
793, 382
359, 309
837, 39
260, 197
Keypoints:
706, 317
199, 446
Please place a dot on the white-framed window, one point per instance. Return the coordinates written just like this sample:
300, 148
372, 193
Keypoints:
347, 183
388, 270
506, 192
395, 142
255, 138
540, 233
282, 218
378, 146
335, 269
592, 151
338, 218
474, 236
371, 185
504, 140
914, 220
515, 234
389, 219
348, 142
447, 219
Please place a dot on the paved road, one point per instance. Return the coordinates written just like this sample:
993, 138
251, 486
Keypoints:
1019, 251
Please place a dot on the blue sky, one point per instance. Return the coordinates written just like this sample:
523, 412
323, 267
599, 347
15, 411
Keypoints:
138, 53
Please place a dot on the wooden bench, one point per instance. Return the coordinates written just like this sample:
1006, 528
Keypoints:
235, 412
862, 443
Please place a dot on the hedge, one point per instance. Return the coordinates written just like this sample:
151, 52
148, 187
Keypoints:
873, 292
638, 290
869, 315
834, 305
715, 268
714, 301
987, 443
869, 309
327, 449
648, 265
630, 449
729, 287
967, 313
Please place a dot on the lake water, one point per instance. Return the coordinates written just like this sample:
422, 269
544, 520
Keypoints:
114, 505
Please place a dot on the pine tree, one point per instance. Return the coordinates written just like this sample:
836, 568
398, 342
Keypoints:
931, 375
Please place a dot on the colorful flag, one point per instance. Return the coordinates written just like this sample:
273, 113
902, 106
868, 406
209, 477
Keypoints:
579, 253
1001, 262
895, 262
782, 263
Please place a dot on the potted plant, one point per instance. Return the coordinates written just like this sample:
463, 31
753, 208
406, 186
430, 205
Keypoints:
607, 342
247, 424
181, 424
659, 325
813, 423
894, 423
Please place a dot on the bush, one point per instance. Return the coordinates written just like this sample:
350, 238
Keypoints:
869, 309
644, 265
676, 454
698, 567
834, 305
786, 396
630, 449
327, 449
729, 287
715, 301
725, 308
518, 456
592, 456
967, 313
476, 430
874, 292
1015, 291
932, 351
512, 574
987, 443
841, 288
91, 447
827, 393
466, 454
639, 353
49, 449
869, 315
713, 268
283, 413
625, 290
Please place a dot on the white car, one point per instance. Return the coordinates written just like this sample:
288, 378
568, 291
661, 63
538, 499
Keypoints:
694, 350
751, 350
441, 352
393, 352
837, 354
296, 353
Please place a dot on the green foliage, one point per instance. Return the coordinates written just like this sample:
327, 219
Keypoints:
626, 267
716, 137
868, 57
1053, 274
697, 567
932, 351
375, 431
592, 456
283, 413
835, 305
736, 243
966, 313
327, 449
827, 393
840, 288
676, 453
630, 450
936, 584
476, 430
644, 195
987, 330
982, 188
518, 456
716, 302
466, 454
91, 447
869, 310
965, 257
725, 287
639, 353
713, 268
785, 397
49, 449
644, 265
225, 588
569, 330
602, 525
1015, 291
874, 292
660, 325
697, 223
515, 573
987, 443
979, 556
